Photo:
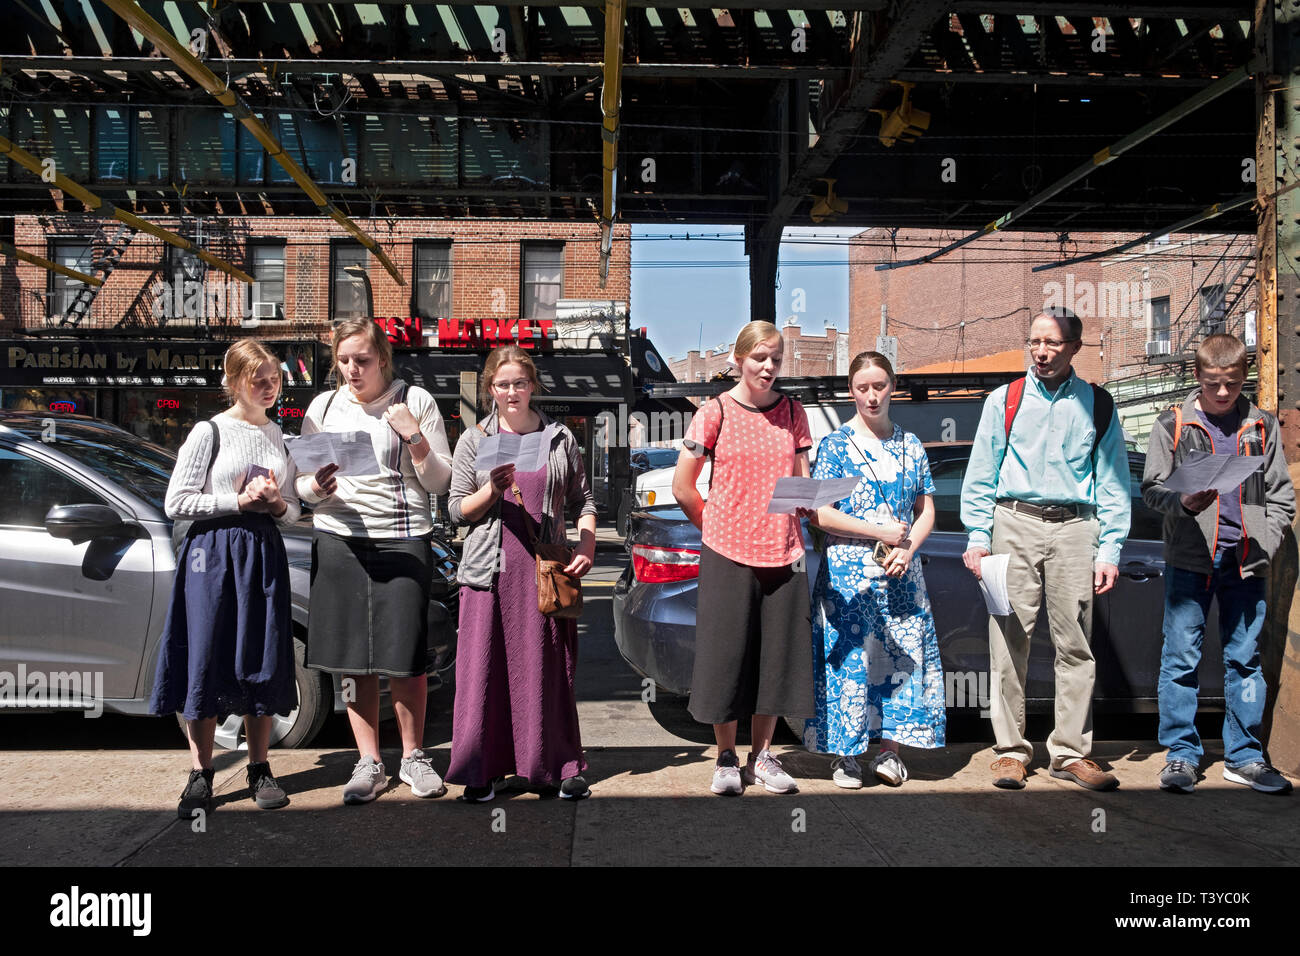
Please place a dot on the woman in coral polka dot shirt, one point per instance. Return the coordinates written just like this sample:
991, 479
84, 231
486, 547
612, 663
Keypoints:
753, 644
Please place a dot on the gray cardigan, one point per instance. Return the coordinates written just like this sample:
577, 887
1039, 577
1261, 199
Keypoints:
567, 489
1267, 497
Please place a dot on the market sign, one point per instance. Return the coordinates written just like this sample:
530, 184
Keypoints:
471, 333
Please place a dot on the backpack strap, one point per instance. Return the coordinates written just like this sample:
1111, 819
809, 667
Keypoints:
1015, 394
1103, 409
1178, 424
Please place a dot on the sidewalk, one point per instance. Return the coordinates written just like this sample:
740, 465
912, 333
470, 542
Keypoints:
651, 805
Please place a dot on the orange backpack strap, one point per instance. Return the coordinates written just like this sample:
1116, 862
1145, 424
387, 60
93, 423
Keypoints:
1178, 424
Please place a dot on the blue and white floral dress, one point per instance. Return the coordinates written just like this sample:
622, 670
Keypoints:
876, 664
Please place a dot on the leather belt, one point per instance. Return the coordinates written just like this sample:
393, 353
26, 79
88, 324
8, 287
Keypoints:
1055, 513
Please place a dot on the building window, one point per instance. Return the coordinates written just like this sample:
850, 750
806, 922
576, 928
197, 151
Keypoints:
75, 254
350, 292
268, 270
433, 280
1160, 319
1212, 318
542, 279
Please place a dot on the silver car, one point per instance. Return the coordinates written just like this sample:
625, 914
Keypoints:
86, 567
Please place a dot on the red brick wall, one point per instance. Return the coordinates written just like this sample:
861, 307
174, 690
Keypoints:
927, 304
805, 354
485, 258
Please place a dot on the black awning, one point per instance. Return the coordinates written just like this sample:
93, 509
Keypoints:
596, 377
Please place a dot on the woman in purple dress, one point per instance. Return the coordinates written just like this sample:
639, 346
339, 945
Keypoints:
515, 710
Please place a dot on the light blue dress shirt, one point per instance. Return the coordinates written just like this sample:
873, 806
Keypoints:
1049, 462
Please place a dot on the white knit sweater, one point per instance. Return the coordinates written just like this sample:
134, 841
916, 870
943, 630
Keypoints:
243, 445
395, 502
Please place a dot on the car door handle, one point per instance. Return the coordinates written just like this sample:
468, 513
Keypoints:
1138, 571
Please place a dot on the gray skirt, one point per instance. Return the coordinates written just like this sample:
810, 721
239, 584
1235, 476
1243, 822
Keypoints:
369, 611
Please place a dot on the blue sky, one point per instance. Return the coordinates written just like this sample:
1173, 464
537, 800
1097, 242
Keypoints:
692, 293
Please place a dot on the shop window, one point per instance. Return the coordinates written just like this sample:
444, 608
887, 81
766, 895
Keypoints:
75, 254
349, 291
541, 279
33, 488
433, 280
268, 270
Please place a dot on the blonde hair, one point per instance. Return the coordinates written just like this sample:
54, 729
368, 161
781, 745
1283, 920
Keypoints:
377, 337
1221, 351
241, 362
754, 335
504, 355
872, 360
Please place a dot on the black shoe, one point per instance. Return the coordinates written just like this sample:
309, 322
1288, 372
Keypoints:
197, 795
266, 793
479, 794
574, 788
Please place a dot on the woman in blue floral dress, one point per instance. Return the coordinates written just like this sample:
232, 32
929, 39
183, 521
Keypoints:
876, 662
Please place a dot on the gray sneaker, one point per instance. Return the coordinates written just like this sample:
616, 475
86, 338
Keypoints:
848, 772
888, 766
1259, 776
726, 774
368, 781
419, 773
763, 768
1179, 776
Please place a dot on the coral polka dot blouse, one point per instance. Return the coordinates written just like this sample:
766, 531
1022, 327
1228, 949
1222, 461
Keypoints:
751, 448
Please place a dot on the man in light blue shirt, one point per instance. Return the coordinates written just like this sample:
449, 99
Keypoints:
1055, 499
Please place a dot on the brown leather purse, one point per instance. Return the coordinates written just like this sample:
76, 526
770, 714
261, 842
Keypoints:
558, 594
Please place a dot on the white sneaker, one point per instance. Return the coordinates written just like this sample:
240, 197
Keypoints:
848, 773
726, 774
418, 772
763, 768
889, 768
368, 781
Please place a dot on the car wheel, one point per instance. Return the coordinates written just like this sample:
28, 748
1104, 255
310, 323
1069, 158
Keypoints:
302, 724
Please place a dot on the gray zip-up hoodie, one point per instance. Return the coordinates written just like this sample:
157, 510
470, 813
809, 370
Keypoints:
567, 489
1267, 496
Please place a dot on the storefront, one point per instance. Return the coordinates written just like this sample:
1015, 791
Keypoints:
158, 390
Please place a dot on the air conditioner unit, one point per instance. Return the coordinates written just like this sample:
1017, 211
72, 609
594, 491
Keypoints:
265, 310
1158, 347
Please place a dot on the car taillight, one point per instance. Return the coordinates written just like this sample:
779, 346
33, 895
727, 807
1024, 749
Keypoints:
660, 565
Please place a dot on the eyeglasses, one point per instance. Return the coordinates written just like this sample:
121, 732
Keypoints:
1052, 345
520, 385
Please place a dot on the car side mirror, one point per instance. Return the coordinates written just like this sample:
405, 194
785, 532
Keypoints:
79, 523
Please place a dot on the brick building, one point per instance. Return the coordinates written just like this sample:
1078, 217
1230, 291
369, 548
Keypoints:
146, 353
969, 310
805, 354
461, 269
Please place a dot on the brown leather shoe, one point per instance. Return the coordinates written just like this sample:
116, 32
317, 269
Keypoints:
1008, 773
1087, 774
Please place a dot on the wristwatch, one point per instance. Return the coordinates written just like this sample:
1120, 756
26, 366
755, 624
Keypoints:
414, 439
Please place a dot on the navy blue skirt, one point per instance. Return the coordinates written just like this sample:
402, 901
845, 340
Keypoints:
227, 647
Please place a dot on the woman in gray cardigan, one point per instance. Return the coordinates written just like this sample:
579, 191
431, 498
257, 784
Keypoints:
515, 710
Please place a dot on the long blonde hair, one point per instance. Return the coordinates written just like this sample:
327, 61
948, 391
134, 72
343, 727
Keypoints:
377, 337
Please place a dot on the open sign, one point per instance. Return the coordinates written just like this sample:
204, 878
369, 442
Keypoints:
168, 403
63, 406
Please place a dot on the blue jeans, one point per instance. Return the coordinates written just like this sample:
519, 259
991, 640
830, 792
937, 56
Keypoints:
1241, 618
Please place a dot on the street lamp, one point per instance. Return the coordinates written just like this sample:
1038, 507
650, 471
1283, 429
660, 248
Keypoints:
359, 272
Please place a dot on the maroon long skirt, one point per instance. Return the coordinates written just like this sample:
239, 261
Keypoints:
515, 710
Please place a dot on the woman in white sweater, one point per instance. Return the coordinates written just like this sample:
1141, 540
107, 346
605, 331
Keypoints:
228, 647
371, 559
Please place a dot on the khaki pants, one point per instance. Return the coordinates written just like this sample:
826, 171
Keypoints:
1052, 560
